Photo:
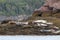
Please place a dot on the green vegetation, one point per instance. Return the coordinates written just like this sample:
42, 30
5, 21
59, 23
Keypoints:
16, 7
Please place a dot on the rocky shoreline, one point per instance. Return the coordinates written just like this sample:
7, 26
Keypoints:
36, 26
43, 21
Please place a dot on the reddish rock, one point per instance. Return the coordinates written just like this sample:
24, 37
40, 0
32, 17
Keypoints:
50, 8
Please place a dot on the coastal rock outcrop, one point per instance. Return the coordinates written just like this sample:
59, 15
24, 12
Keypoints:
49, 8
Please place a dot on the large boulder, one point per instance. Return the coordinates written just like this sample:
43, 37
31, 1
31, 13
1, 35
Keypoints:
50, 8
55, 4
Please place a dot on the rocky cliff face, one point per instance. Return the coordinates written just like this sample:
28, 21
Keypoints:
50, 8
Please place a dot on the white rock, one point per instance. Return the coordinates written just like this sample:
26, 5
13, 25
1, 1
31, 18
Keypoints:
56, 32
38, 24
26, 23
56, 27
23, 23
18, 23
45, 30
43, 24
49, 23
42, 21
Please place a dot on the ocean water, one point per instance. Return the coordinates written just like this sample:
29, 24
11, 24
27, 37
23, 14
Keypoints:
29, 37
